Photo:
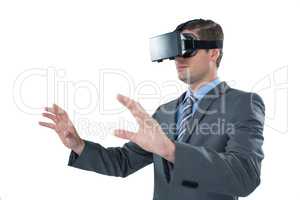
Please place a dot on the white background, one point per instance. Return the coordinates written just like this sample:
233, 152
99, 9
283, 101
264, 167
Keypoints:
56, 51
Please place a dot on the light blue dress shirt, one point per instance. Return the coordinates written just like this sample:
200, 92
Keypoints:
199, 94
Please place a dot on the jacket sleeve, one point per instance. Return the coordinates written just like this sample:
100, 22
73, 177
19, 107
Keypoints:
236, 171
112, 161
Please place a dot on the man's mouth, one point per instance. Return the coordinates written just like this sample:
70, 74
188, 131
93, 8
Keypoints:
181, 67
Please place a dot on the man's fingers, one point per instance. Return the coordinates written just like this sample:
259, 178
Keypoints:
61, 113
50, 116
58, 110
50, 109
134, 107
46, 124
126, 101
128, 135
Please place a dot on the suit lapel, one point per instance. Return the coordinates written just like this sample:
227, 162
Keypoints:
202, 108
167, 120
167, 117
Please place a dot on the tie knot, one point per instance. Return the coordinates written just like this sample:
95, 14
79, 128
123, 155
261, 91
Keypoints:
190, 99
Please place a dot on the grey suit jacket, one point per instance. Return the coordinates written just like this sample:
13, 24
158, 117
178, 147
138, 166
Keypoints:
219, 159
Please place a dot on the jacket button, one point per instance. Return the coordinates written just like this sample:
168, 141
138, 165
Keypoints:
190, 184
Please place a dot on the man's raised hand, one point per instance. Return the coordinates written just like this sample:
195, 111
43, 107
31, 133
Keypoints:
63, 126
150, 136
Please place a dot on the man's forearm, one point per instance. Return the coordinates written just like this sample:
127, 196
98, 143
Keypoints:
113, 161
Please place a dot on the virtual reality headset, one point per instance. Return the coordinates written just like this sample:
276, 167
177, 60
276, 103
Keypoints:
174, 44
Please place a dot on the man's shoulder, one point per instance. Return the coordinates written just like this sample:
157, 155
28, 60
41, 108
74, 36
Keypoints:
241, 104
240, 96
234, 99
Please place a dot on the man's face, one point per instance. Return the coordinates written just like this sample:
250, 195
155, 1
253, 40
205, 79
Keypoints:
195, 68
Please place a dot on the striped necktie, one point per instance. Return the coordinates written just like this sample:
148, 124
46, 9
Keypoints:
186, 115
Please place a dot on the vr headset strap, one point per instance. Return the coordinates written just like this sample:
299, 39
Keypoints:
203, 44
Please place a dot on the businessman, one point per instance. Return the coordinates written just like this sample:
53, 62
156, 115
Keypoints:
206, 144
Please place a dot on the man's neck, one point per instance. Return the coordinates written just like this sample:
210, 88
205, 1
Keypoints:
196, 85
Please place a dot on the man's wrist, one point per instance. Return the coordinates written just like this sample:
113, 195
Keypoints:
170, 152
79, 148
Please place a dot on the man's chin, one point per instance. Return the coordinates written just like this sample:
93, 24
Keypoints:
184, 78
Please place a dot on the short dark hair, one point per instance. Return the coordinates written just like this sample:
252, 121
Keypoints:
206, 30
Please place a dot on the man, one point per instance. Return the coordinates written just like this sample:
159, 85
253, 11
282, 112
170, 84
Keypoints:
206, 144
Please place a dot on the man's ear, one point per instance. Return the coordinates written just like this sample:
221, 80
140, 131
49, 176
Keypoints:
214, 54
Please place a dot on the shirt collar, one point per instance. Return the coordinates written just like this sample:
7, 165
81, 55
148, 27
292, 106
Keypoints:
203, 90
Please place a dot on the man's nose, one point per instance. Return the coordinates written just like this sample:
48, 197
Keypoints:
179, 59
